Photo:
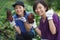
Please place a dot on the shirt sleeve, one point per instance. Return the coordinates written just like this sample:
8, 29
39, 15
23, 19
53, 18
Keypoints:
56, 21
16, 23
57, 24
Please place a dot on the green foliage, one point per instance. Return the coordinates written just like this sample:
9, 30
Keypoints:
30, 2
29, 8
54, 4
7, 32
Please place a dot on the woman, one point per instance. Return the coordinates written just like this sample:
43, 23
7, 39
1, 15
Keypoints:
49, 23
24, 30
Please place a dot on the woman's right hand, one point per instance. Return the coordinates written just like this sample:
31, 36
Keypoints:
12, 23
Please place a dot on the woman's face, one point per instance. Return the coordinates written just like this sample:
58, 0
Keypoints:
19, 9
40, 9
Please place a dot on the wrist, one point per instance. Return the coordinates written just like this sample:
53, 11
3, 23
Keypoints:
49, 18
34, 25
24, 21
12, 23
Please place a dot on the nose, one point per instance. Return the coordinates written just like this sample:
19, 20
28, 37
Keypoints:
18, 10
38, 10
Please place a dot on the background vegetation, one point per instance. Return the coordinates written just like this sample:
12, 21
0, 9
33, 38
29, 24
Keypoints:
7, 32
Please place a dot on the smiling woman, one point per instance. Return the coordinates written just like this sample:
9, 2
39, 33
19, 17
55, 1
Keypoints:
49, 22
24, 30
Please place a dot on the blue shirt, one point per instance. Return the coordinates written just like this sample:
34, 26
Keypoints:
21, 24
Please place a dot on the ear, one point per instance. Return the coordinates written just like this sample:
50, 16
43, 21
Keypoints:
24, 8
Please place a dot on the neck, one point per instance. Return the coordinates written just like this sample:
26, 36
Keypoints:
44, 16
21, 15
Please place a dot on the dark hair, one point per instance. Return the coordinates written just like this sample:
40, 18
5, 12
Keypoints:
40, 1
18, 3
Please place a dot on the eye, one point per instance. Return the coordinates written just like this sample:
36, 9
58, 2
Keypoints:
39, 7
16, 8
20, 7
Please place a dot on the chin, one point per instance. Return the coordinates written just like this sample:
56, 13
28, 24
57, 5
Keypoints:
40, 14
18, 13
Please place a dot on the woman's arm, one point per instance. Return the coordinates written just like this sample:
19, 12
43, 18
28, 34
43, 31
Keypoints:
38, 31
17, 29
52, 27
49, 15
30, 19
13, 24
27, 26
36, 28
54, 24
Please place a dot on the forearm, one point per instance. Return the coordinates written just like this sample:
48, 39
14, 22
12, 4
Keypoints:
38, 31
27, 26
17, 29
52, 27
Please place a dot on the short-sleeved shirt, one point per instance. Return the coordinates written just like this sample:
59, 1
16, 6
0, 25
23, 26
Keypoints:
21, 23
44, 27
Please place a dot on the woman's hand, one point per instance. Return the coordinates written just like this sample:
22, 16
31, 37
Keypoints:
23, 19
49, 14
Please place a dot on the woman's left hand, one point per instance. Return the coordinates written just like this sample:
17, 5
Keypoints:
23, 19
49, 14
